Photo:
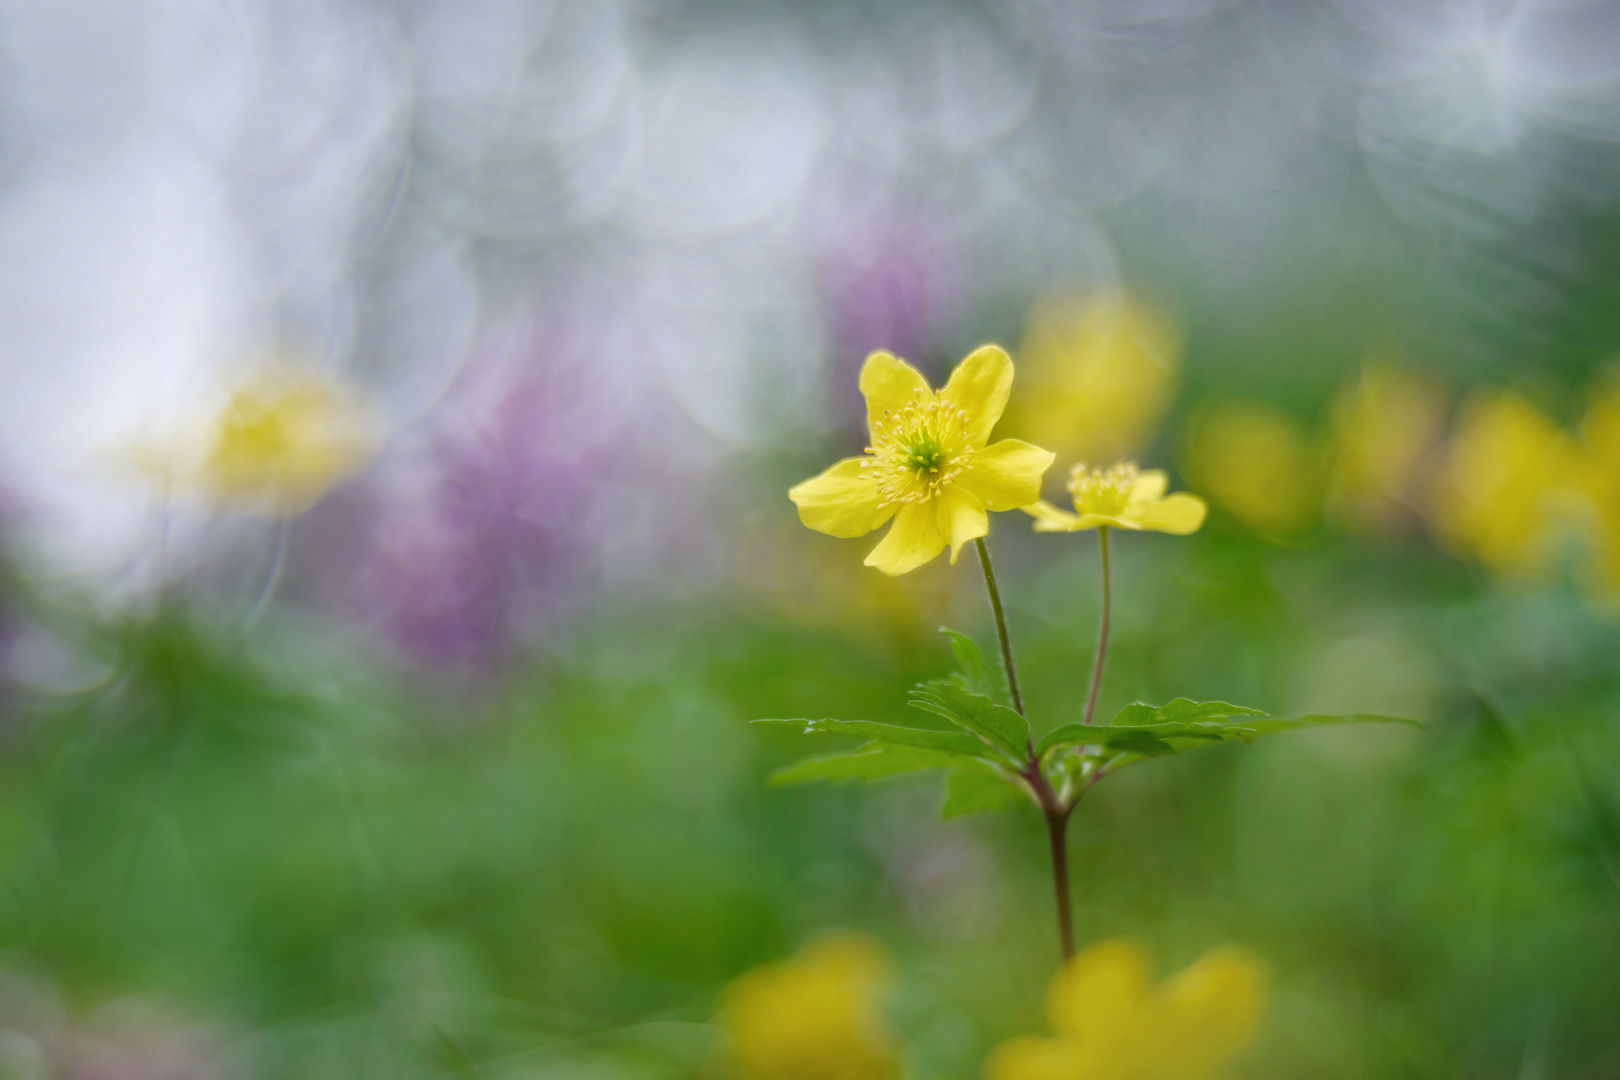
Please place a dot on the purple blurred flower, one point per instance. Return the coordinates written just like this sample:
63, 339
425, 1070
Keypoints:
886, 285
491, 536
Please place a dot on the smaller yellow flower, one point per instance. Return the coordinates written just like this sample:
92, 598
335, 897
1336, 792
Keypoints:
815, 1016
1124, 497
1112, 1026
283, 441
931, 466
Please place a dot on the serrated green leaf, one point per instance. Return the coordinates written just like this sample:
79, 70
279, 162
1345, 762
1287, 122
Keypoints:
1185, 709
997, 724
1181, 717
1135, 714
1095, 735
1143, 746
970, 789
952, 742
1271, 727
867, 763
1127, 746
976, 676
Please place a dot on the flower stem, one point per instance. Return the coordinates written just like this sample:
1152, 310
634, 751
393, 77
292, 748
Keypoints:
1057, 826
1052, 805
1001, 625
1102, 635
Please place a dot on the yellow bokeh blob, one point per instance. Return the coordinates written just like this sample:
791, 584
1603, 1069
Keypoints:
1110, 1023
817, 1015
1098, 372
1257, 464
1510, 490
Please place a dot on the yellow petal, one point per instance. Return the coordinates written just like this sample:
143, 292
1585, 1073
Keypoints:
1150, 486
1100, 994
961, 519
1049, 518
889, 383
841, 502
1006, 476
1029, 1058
1179, 514
912, 540
1214, 1009
979, 386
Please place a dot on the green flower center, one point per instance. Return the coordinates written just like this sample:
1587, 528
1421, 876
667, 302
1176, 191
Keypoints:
919, 449
1102, 491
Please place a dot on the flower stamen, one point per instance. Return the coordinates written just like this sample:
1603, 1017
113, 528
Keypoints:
919, 450
1105, 491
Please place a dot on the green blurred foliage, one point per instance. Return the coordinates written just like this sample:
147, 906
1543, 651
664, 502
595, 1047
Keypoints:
350, 874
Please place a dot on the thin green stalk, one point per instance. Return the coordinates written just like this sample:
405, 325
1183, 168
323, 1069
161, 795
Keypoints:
1102, 635
1001, 625
1052, 808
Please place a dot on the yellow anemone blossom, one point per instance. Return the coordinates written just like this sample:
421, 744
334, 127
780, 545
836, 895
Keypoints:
815, 1016
284, 440
930, 467
1111, 1025
1124, 497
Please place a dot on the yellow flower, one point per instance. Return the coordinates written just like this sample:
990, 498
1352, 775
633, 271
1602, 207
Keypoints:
1256, 464
1112, 1026
1384, 425
283, 441
815, 1016
1099, 371
1124, 497
928, 467
1601, 429
1508, 491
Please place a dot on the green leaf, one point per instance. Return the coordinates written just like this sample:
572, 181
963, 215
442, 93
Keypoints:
1271, 727
1185, 709
1135, 714
997, 724
1111, 735
1121, 746
867, 763
1181, 717
970, 789
952, 742
976, 676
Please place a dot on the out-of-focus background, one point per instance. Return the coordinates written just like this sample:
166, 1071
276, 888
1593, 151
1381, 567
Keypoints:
423, 751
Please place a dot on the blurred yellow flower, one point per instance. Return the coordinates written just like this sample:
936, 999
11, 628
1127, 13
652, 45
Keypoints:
1509, 488
1124, 497
1100, 371
1601, 431
815, 1016
283, 440
928, 467
1256, 463
1111, 1025
1384, 425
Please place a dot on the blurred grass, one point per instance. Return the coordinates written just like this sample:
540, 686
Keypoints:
358, 877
